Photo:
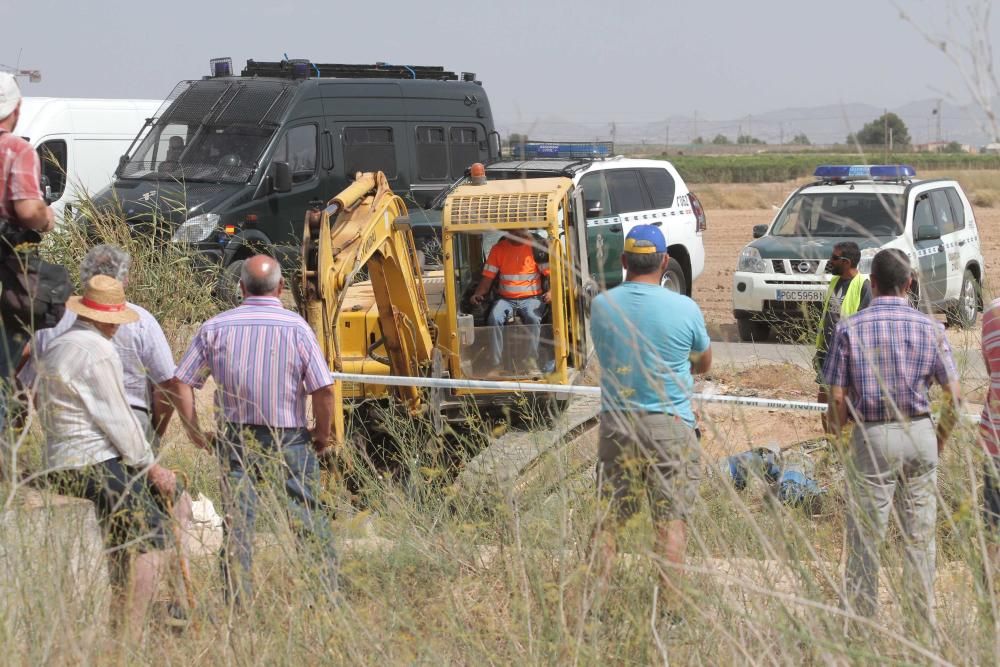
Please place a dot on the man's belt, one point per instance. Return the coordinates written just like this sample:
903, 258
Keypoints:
879, 422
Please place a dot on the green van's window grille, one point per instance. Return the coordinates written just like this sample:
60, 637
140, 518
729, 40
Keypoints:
298, 149
432, 153
370, 149
464, 149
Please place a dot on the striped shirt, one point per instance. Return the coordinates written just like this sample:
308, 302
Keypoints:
520, 276
887, 356
141, 346
264, 359
989, 424
20, 173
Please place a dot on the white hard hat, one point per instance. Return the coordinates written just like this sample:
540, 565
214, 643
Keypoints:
10, 94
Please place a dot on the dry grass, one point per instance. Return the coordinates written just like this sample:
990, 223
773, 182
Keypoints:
434, 575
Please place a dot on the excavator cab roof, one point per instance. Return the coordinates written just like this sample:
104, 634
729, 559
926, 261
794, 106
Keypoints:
505, 204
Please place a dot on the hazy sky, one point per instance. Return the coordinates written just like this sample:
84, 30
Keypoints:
591, 60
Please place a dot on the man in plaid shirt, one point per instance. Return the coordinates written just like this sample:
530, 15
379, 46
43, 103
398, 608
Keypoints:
879, 368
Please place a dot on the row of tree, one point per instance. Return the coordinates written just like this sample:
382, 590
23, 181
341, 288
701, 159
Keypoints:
884, 130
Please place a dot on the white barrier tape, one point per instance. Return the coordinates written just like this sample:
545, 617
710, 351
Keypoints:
573, 390
450, 383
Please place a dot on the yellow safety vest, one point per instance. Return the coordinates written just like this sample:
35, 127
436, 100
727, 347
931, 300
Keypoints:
849, 306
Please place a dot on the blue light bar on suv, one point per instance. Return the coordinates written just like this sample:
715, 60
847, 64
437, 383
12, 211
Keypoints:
570, 149
864, 172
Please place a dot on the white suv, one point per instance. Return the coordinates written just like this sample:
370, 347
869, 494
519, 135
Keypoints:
782, 275
620, 193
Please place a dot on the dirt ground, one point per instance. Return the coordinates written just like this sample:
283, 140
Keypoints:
729, 230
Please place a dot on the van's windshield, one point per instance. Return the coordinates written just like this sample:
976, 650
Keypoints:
863, 214
191, 152
211, 130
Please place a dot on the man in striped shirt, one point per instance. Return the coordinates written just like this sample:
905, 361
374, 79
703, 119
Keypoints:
265, 360
511, 264
881, 364
989, 432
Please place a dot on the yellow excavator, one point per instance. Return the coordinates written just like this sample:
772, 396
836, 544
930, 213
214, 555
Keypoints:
379, 307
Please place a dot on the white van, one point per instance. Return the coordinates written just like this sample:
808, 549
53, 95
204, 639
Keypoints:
80, 140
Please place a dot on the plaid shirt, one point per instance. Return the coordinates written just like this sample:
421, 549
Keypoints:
20, 171
887, 355
989, 423
264, 359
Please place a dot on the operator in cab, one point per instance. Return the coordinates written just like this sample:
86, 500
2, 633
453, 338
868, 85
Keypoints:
511, 264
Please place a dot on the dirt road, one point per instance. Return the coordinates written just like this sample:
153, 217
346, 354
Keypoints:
729, 230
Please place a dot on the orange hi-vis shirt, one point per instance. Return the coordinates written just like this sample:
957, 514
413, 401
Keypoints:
520, 276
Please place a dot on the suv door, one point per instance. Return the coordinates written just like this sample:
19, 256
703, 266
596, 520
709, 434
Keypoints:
931, 259
605, 241
951, 226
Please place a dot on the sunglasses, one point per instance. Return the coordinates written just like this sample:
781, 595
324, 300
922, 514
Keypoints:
835, 258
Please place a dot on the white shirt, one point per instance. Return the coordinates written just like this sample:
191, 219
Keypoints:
144, 352
82, 402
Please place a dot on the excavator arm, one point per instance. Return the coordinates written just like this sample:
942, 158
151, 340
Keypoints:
366, 226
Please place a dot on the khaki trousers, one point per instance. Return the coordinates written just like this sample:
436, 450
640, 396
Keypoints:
892, 462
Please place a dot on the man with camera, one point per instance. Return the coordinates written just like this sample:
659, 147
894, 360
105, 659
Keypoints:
24, 216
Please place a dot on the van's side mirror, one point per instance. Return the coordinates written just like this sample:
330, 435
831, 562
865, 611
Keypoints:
593, 208
759, 231
281, 177
928, 233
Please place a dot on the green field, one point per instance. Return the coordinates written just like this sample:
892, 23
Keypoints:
772, 167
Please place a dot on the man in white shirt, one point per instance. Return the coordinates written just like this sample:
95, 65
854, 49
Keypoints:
95, 446
147, 362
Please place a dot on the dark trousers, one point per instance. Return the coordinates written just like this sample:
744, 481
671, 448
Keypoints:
259, 455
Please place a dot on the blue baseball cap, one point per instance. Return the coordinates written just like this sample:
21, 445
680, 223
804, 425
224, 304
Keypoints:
645, 240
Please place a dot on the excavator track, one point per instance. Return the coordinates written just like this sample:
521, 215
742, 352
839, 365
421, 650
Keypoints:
530, 464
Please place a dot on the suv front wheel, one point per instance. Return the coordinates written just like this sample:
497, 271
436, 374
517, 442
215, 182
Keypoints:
963, 314
673, 277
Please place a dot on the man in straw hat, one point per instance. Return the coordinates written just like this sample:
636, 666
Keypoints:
95, 447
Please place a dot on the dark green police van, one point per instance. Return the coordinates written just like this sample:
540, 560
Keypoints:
230, 164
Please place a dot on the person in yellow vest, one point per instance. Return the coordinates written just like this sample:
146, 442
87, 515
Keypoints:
848, 292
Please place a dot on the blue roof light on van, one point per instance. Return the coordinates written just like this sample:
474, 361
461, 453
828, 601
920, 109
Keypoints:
859, 172
221, 66
573, 149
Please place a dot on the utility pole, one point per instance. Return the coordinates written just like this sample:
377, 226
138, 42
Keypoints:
937, 112
781, 134
696, 122
749, 125
666, 148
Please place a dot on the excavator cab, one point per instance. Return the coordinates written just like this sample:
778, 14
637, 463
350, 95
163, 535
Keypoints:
377, 312
536, 337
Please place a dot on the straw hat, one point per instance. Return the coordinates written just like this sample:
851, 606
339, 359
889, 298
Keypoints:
103, 300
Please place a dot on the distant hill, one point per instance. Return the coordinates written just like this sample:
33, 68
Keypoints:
825, 124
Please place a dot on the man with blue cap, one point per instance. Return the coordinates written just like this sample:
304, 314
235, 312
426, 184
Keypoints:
649, 340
